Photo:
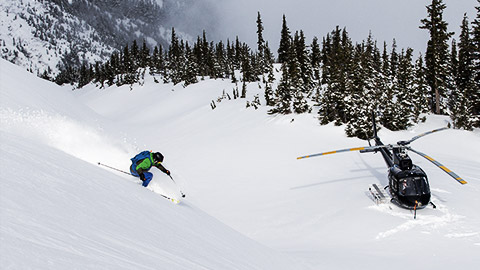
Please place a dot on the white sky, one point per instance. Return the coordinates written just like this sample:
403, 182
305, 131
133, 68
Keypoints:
387, 19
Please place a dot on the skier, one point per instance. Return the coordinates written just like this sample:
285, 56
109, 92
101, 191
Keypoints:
142, 163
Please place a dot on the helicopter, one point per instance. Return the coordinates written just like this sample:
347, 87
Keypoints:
408, 183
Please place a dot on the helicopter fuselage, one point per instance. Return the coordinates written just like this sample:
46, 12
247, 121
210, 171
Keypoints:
408, 183
409, 188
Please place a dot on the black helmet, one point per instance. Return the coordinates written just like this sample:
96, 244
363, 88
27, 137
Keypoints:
157, 157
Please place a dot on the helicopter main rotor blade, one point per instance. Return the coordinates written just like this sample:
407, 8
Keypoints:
362, 149
423, 134
438, 164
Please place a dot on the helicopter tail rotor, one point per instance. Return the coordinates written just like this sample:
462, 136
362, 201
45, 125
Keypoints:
439, 165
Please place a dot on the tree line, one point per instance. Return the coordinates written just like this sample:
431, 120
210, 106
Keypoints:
342, 80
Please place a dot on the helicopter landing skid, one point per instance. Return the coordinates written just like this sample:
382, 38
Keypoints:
378, 195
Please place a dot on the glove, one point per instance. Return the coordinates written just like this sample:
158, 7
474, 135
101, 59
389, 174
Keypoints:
168, 172
142, 177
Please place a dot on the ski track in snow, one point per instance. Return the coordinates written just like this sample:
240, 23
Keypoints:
424, 222
427, 223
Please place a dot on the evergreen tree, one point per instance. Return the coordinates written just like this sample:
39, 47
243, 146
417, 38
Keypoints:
436, 57
134, 55
247, 70
316, 59
384, 86
394, 60
244, 90
405, 84
260, 44
361, 93
144, 57
476, 67
285, 42
269, 94
388, 106
337, 68
83, 76
157, 63
304, 64
191, 68
419, 96
296, 81
269, 58
176, 59
128, 73
99, 75
109, 72
283, 97
461, 105
212, 64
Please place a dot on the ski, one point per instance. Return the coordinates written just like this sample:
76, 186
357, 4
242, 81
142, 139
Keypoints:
175, 201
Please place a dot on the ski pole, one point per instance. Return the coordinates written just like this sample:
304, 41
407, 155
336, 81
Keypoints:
183, 195
114, 169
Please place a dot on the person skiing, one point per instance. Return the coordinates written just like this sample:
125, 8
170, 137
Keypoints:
142, 163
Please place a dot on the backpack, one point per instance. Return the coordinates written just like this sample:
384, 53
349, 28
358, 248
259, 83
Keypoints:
141, 156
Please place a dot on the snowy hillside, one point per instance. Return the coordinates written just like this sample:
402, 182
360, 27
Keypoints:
39, 36
250, 203
60, 212
46, 35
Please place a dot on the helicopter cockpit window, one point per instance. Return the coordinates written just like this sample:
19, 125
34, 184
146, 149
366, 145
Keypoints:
412, 186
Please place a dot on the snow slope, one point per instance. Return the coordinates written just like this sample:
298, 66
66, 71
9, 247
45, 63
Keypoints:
60, 211
235, 163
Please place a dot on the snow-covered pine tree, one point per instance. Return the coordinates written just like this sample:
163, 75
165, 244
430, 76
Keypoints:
360, 101
383, 82
247, 69
436, 57
283, 97
337, 63
176, 59
134, 54
213, 64
230, 51
476, 66
221, 62
109, 72
285, 42
420, 93
305, 64
84, 76
388, 106
99, 76
157, 63
461, 108
244, 90
298, 64
262, 55
394, 60
269, 58
404, 88
128, 73
191, 68
144, 57
269, 94
316, 60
